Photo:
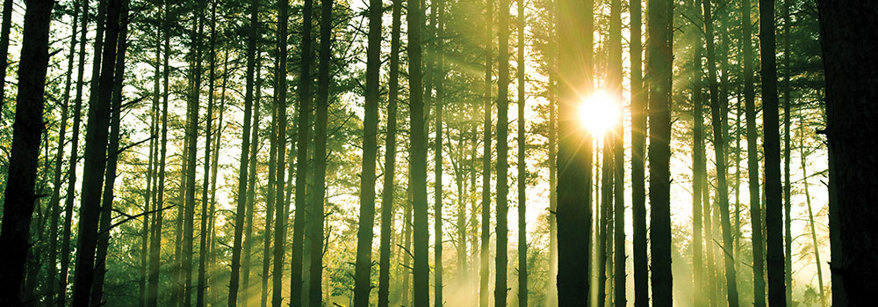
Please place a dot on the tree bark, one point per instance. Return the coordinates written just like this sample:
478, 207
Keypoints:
205, 217
522, 165
502, 166
484, 248
846, 33
363, 266
701, 280
5, 28
19, 197
438, 74
418, 156
574, 153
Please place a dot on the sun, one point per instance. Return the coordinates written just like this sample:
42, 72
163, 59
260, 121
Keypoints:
599, 113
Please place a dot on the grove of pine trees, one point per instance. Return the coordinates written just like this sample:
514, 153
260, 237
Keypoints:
438, 152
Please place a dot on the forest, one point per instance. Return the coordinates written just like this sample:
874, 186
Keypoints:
439, 153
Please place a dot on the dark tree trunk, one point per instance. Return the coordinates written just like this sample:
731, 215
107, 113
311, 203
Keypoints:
698, 169
363, 268
638, 155
241, 204
303, 134
4, 50
95, 159
282, 207
502, 154
318, 198
717, 108
252, 182
269, 208
788, 236
205, 217
438, 73
574, 154
522, 165
847, 33
484, 248
771, 145
615, 82
19, 197
418, 156
389, 162
659, 65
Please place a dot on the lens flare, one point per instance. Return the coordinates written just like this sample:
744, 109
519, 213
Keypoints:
599, 113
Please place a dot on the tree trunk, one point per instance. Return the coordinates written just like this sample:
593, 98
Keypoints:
269, 206
316, 217
111, 165
698, 170
418, 156
659, 66
54, 202
787, 110
771, 145
241, 205
203, 255
61, 294
522, 165
719, 141
19, 197
615, 81
851, 94
95, 160
217, 145
439, 75
638, 154
484, 248
574, 161
304, 129
753, 160
552, 289
604, 223
502, 154
804, 160
389, 162
363, 269
282, 208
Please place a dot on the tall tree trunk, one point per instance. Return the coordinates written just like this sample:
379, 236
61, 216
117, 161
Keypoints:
363, 269
111, 165
787, 110
156, 243
282, 207
211, 81
152, 181
614, 63
574, 161
438, 74
269, 207
771, 145
251, 182
303, 134
804, 163
638, 154
241, 205
418, 156
19, 197
54, 202
484, 248
4, 50
753, 160
61, 294
217, 145
95, 159
389, 161
698, 170
502, 229
552, 88
659, 66
522, 165
316, 217
847, 33
719, 141
605, 211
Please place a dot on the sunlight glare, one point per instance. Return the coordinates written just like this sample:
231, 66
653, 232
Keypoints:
599, 113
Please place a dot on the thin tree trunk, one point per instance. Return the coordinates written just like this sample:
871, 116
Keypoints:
484, 249
19, 197
552, 289
95, 159
698, 171
363, 268
502, 229
804, 163
389, 162
615, 80
241, 205
787, 110
418, 156
438, 74
638, 154
281, 206
573, 214
605, 211
111, 165
217, 145
318, 197
61, 295
269, 207
54, 202
251, 183
717, 107
659, 66
522, 165
203, 251
771, 145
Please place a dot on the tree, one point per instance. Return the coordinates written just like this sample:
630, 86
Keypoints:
363, 271
502, 153
484, 249
850, 97
211, 81
574, 160
4, 50
659, 68
615, 75
522, 165
19, 196
281, 206
95, 158
241, 204
699, 172
418, 155
389, 161
771, 145
438, 73
717, 119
